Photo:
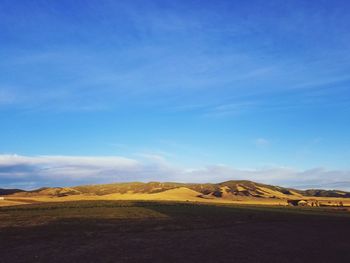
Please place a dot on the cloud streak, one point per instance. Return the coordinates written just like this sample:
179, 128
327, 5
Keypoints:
261, 142
30, 172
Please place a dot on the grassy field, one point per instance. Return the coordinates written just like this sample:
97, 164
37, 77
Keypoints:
149, 231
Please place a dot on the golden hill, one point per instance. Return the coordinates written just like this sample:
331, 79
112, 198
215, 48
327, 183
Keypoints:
230, 190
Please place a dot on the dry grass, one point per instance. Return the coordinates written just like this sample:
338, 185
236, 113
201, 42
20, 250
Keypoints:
11, 203
159, 231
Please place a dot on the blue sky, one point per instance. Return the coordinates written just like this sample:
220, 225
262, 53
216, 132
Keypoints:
183, 90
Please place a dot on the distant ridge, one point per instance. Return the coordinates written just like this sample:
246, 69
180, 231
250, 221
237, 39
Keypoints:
10, 191
225, 190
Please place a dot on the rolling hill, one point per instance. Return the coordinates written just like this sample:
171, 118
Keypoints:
228, 190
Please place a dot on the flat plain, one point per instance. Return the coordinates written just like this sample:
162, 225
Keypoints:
169, 231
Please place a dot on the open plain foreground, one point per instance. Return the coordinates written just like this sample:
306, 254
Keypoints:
169, 231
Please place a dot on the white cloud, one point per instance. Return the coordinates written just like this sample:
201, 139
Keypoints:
37, 171
261, 142
6, 97
88, 161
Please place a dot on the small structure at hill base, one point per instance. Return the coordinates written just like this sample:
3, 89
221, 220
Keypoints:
315, 203
297, 202
302, 203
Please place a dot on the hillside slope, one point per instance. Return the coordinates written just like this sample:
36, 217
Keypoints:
226, 190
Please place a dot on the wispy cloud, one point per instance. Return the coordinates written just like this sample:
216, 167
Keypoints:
261, 142
219, 55
231, 109
7, 96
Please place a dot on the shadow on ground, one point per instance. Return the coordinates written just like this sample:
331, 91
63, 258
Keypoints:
171, 232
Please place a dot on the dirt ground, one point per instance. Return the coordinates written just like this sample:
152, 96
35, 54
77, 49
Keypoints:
172, 233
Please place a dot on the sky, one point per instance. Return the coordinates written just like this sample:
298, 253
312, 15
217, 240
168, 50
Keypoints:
190, 91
